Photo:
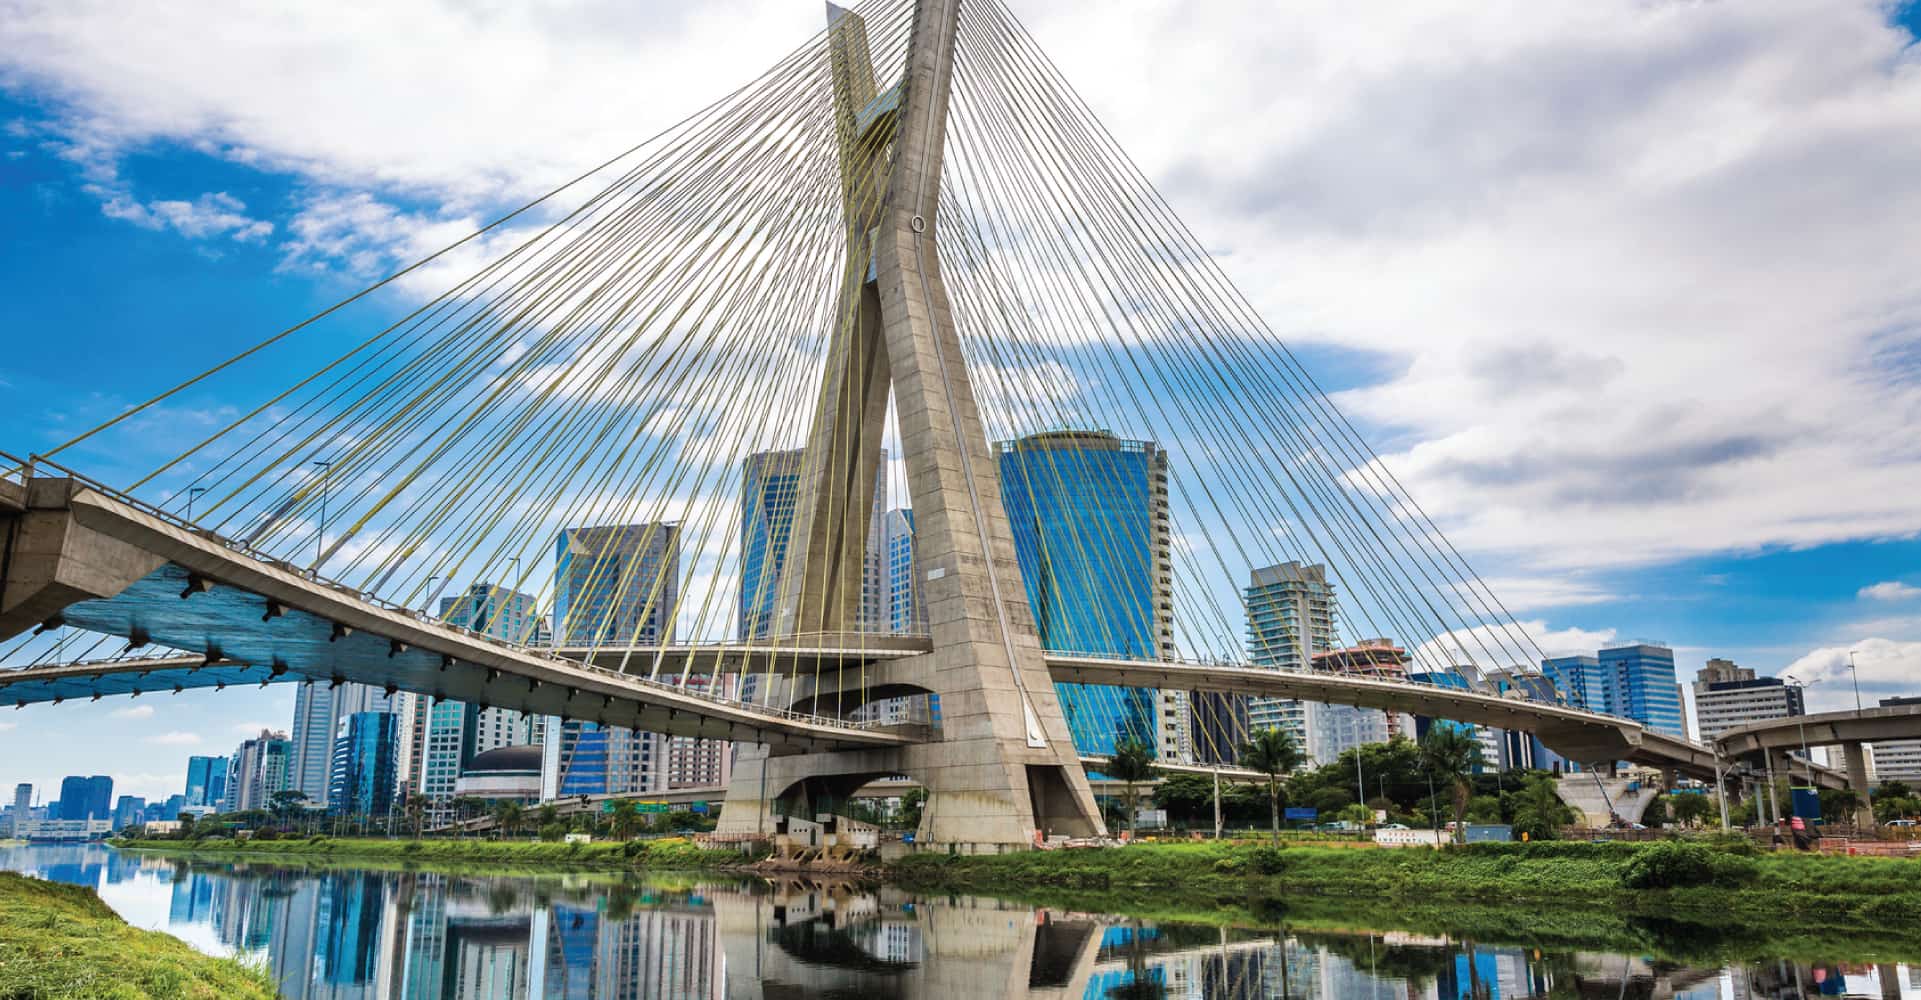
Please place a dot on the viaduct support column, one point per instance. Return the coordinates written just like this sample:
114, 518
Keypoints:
1857, 754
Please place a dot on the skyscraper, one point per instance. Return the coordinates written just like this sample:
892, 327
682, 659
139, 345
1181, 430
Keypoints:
86, 797
317, 711
1581, 682
904, 603
617, 584
440, 737
258, 768
1292, 614
1644, 689
362, 779
1089, 517
1340, 728
770, 490
206, 781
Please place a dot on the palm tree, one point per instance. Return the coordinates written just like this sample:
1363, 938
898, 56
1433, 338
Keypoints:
1451, 754
1132, 763
416, 813
1273, 753
511, 817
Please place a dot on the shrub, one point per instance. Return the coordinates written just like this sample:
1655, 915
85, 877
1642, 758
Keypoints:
1268, 860
553, 831
1678, 865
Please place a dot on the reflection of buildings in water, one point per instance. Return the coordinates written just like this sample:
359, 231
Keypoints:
192, 898
487, 955
426, 939
667, 953
350, 924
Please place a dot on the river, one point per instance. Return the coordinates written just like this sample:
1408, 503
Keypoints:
343, 933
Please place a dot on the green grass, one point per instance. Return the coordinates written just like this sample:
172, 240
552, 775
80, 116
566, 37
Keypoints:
1585, 886
60, 941
666, 853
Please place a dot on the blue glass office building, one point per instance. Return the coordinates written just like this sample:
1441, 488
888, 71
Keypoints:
1644, 688
770, 488
365, 773
1089, 518
1581, 682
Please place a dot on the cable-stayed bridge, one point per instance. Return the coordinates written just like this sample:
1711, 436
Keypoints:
648, 427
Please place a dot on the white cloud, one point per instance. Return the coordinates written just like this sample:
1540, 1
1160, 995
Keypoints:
5, 726
1638, 271
213, 214
133, 712
1889, 590
176, 738
1492, 646
1883, 667
250, 730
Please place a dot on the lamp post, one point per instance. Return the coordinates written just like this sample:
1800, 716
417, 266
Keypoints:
1856, 675
193, 493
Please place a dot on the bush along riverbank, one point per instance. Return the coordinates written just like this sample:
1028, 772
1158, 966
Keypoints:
667, 853
60, 941
1673, 879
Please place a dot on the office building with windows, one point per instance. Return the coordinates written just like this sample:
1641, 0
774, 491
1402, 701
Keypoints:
1644, 688
1292, 614
1339, 728
259, 768
435, 740
1580, 682
1726, 696
362, 780
317, 710
206, 781
616, 584
1896, 760
1089, 515
770, 491
86, 798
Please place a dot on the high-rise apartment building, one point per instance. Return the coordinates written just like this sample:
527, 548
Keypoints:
1726, 696
258, 768
22, 802
127, 812
902, 608
1340, 728
1292, 614
206, 782
1089, 515
362, 778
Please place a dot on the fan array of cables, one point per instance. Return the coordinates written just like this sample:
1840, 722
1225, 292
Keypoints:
602, 429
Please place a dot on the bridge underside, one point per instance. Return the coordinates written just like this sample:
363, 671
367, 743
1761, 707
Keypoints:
84, 560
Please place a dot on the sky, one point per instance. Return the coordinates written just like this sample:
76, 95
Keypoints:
1624, 292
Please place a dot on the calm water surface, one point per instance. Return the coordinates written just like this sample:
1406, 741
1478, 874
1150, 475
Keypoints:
347, 933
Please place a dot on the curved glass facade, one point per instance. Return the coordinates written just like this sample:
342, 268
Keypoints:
1088, 512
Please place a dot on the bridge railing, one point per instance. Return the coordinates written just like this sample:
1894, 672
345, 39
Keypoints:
33, 463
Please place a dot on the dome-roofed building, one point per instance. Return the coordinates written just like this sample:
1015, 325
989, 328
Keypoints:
504, 774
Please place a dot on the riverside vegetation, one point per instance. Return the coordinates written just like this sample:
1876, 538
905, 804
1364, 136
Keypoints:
1720, 882
60, 942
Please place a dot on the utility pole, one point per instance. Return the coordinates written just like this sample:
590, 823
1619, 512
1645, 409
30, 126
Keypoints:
1856, 675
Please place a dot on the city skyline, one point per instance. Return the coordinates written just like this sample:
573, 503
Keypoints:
1754, 588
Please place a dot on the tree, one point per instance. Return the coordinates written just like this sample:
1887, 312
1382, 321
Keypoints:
1131, 764
1894, 790
546, 816
287, 800
509, 817
624, 818
1484, 809
1690, 809
1538, 810
1655, 815
1188, 798
1451, 755
1357, 814
416, 813
1273, 753
912, 802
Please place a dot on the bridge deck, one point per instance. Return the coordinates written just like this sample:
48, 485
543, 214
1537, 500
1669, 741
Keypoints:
207, 596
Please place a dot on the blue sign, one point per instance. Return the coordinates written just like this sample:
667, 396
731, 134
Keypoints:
907, 838
1301, 812
699, 807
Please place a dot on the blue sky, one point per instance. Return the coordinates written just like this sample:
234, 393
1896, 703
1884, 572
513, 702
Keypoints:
1633, 326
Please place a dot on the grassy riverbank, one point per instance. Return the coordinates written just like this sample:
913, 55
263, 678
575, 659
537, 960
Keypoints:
1685, 883
60, 941
665, 854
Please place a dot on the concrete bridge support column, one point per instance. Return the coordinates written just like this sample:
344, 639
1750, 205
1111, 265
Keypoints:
1857, 758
